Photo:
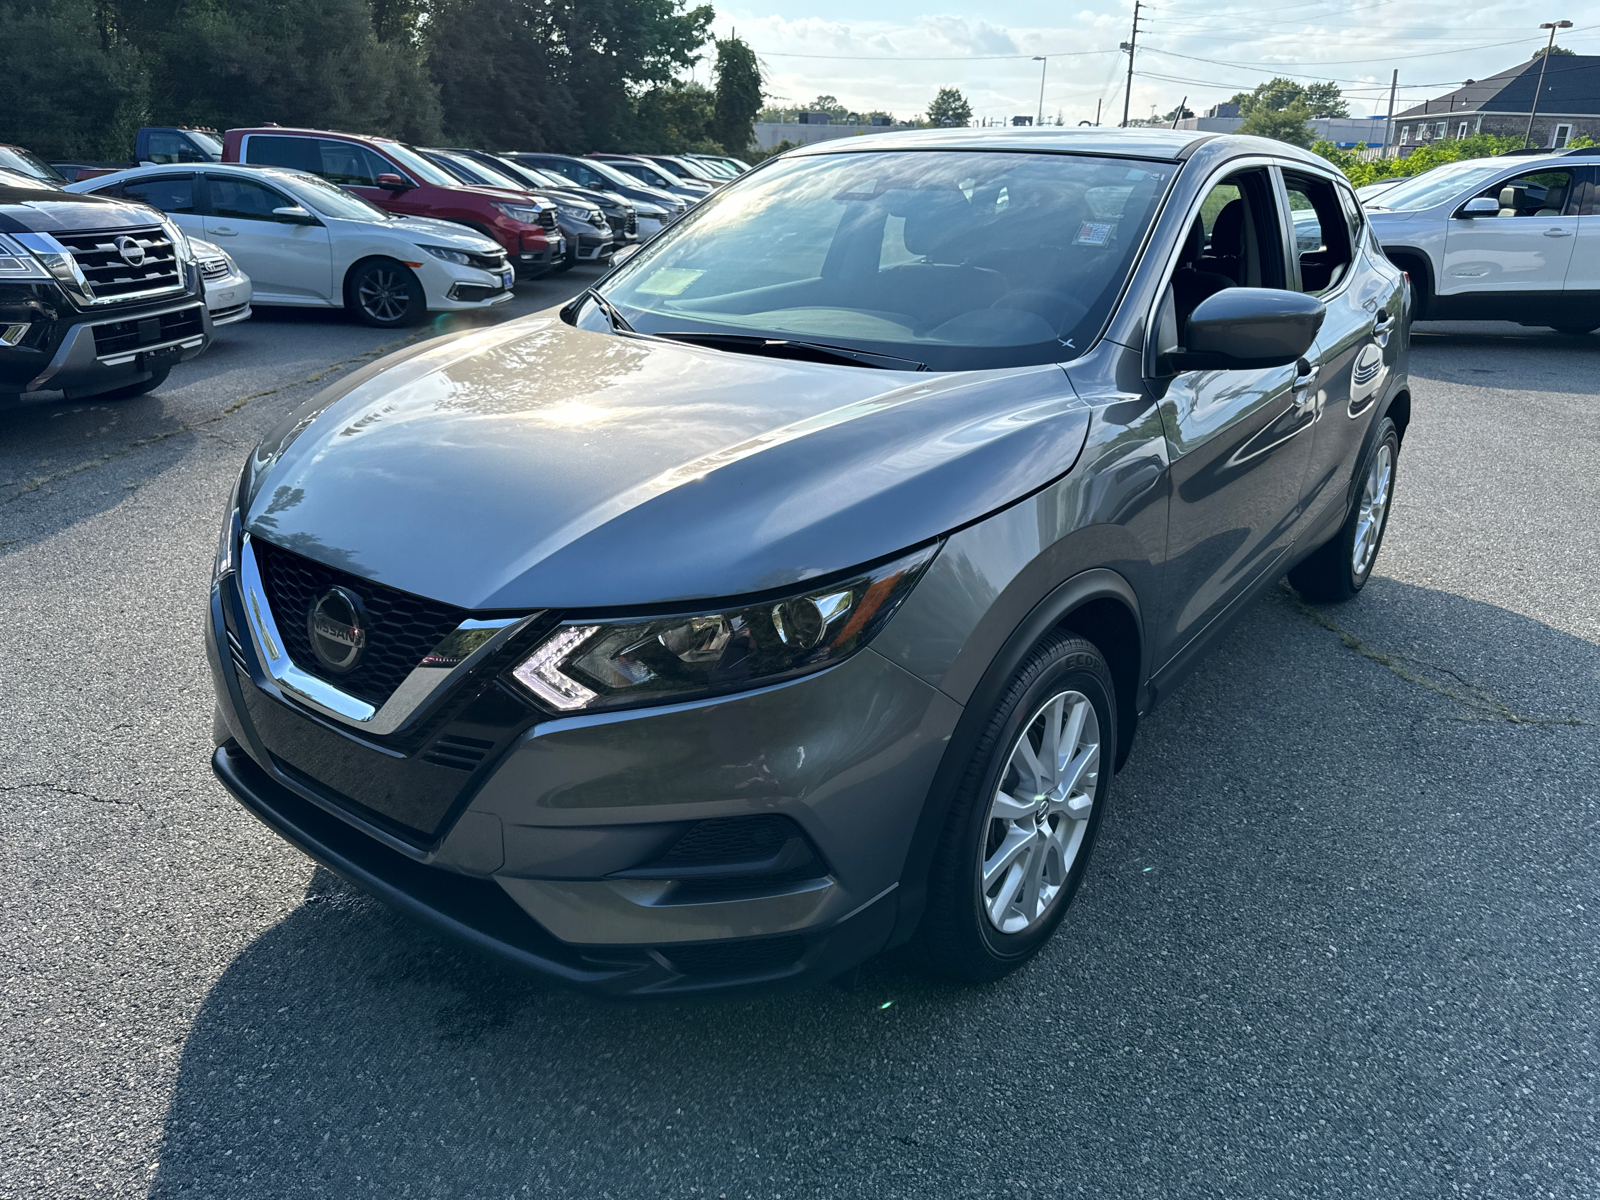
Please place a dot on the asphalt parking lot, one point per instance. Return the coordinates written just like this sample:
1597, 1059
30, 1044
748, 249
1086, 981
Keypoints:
1339, 939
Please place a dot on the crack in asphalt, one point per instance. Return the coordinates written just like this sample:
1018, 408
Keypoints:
59, 789
27, 486
1483, 704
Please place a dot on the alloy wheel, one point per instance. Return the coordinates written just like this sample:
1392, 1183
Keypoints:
1040, 811
1374, 503
383, 295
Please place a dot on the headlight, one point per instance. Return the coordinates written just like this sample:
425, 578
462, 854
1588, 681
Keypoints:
528, 214
573, 212
17, 263
229, 537
609, 664
460, 257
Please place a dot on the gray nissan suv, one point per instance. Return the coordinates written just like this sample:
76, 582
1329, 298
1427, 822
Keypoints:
795, 591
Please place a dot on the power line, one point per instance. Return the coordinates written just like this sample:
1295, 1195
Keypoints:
931, 57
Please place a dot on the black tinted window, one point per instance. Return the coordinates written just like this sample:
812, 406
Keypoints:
171, 194
169, 146
296, 153
244, 199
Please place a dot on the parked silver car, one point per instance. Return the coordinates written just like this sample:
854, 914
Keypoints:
797, 589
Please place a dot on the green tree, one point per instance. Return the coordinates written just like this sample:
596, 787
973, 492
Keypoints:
1279, 94
1361, 171
1282, 124
738, 95
949, 107
1326, 100
71, 84
1553, 50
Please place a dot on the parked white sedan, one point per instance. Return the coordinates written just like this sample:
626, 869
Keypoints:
309, 243
227, 287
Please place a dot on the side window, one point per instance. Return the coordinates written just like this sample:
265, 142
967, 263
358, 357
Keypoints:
168, 146
1586, 193
1541, 194
246, 200
351, 164
1233, 241
169, 193
1321, 232
271, 150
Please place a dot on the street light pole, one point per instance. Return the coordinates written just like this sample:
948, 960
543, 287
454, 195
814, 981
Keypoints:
1552, 26
1043, 64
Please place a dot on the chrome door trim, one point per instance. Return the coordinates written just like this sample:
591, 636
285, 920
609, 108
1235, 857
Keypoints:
423, 684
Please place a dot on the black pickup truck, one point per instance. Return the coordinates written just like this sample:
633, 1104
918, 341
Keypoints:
97, 297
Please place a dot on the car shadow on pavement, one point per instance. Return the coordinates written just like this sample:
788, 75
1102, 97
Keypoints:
1312, 957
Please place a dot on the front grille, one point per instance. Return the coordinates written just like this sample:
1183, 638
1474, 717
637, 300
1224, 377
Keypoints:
731, 840
108, 273
227, 314
470, 293
214, 269
633, 222
136, 333
547, 218
401, 628
488, 262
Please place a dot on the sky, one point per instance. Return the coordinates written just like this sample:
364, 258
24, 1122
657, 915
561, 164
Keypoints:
894, 55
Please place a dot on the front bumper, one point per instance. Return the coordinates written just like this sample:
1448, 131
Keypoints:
542, 857
228, 299
82, 354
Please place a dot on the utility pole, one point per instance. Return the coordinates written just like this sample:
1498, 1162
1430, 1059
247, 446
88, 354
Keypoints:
1130, 45
1552, 26
1097, 104
1388, 125
1043, 63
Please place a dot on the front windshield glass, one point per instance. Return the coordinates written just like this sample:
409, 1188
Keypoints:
17, 159
16, 179
1435, 186
610, 172
209, 142
419, 166
331, 200
486, 173
956, 259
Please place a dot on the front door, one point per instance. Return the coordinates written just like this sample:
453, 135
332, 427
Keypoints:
283, 256
1524, 247
1235, 438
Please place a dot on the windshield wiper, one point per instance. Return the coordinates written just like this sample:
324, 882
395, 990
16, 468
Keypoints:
618, 321
741, 343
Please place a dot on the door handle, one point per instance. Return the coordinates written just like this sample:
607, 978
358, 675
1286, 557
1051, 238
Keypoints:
1304, 381
224, 231
1558, 232
1382, 328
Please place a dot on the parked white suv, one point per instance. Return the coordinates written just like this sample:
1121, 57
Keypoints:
1511, 238
309, 243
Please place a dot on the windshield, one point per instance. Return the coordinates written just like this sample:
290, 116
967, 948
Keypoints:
209, 142
651, 174
331, 200
16, 179
957, 259
472, 168
1436, 186
609, 171
418, 165
29, 163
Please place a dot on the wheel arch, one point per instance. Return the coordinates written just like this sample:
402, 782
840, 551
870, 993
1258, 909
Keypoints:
1098, 605
367, 259
1419, 266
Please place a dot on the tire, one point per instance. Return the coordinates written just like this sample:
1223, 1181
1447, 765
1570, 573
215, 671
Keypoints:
133, 389
1335, 572
969, 931
385, 294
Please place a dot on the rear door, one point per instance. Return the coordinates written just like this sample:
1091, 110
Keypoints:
1236, 439
1583, 272
1524, 248
283, 256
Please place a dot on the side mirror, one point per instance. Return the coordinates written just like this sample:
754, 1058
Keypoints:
1245, 329
1479, 206
623, 255
293, 214
393, 183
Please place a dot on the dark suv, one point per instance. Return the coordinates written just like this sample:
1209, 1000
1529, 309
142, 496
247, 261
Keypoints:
97, 297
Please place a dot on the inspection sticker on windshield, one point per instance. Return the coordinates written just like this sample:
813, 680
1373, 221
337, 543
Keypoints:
669, 281
1093, 233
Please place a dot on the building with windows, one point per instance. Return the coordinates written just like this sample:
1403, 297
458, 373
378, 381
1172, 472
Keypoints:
1569, 106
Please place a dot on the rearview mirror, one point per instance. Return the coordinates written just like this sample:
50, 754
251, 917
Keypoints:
392, 183
1479, 206
1246, 329
293, 214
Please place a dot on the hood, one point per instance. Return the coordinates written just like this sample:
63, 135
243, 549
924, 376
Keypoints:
48, 210
446, 233
535, 465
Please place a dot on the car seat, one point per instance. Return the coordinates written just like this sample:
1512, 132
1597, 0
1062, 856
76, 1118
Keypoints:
1225, 255
1191, 283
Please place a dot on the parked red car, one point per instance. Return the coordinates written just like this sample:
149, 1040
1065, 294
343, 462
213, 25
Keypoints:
399, 180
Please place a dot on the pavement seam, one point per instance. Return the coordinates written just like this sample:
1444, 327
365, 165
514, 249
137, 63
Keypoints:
29, 486
59, 789
1482, 703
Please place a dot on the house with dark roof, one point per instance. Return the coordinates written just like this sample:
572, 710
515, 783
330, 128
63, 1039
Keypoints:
1569, 105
